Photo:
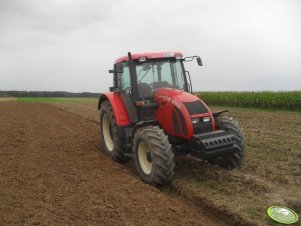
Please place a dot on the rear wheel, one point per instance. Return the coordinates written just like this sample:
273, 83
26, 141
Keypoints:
153, 156
109, 134
231, 126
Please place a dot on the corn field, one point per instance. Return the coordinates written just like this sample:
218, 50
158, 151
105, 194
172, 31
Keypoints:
282, 100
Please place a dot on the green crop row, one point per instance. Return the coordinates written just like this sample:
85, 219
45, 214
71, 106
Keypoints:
282, 100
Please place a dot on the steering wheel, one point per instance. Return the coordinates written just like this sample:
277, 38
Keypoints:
162, 84
152, 84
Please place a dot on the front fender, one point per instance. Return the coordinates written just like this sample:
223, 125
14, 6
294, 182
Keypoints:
119, 109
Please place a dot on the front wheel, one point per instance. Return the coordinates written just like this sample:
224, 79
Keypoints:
231, 126
153, 156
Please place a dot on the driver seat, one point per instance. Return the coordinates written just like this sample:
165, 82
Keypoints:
145, 91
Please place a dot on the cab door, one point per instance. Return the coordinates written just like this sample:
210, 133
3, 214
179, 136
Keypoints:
123, 80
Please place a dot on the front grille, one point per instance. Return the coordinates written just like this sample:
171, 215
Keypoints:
195, 107
202, 127
217, 139
214, 144
214, 134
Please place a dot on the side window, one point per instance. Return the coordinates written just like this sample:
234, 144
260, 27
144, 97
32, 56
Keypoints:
124, 79
166, 73
180, 81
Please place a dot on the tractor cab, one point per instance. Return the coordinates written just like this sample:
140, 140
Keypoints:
137, 77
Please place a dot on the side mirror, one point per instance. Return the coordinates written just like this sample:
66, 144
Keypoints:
119, 68
113, 89
198, 59
111, 71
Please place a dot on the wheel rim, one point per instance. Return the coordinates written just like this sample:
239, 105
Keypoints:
107, 132
144, 158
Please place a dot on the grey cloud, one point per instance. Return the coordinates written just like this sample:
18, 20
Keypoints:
70, 44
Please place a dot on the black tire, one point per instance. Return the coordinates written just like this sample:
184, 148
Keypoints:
109, 137
231, 126
159, 154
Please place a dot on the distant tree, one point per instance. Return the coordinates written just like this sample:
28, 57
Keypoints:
14, 93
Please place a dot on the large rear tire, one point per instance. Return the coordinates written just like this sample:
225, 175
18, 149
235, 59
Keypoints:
231, 126
109, 135
153, 156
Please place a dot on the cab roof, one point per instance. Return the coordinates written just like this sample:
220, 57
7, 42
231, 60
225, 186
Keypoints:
151, 55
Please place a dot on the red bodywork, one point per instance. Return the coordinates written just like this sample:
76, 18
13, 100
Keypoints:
169, 99
156, 55
119, 109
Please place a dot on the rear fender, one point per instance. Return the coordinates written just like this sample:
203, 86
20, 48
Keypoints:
119, 109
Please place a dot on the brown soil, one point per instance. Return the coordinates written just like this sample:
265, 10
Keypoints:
270, 174
52, 172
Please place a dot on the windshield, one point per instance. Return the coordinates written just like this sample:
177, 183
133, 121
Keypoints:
152, 75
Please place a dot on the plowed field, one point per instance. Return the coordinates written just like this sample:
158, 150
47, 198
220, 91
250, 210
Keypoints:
270, 173
52, 173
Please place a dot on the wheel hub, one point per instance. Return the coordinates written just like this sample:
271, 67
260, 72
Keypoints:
144, 157
148, 156
107, 132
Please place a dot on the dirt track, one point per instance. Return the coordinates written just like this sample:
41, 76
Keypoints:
52, 172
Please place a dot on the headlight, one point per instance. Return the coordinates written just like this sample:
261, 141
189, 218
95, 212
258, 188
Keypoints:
142, 59
206, 119
195, 120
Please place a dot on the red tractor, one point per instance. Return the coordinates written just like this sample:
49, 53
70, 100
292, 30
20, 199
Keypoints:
150, 113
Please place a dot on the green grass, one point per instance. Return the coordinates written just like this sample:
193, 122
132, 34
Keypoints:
267, 100
250, 109
282, 100
52, 100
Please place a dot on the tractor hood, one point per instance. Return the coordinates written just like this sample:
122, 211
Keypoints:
182, 99
178, 95
176, 110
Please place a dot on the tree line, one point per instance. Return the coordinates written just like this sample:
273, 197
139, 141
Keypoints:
14, 93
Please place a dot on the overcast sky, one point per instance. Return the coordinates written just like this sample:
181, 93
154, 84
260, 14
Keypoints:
70, 44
